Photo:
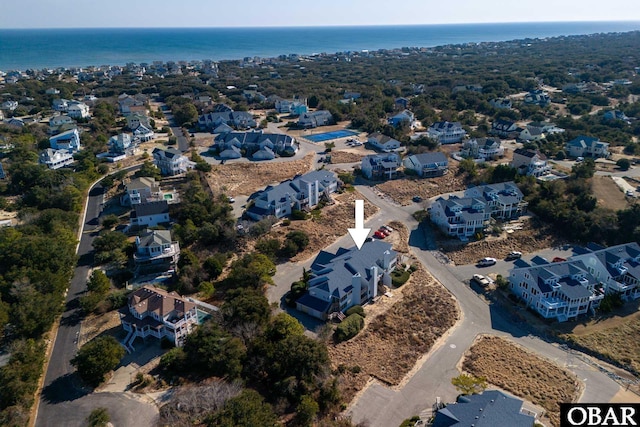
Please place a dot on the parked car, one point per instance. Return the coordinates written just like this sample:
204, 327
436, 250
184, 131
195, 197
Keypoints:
386, 227
383, 231
558, 259
485, 262
481, 280
417, 199
514, 255
378, 234
231, 199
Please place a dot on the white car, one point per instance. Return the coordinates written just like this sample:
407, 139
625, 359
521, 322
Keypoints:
481, 280
485, 262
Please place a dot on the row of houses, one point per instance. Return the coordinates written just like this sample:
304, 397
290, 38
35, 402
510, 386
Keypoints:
464, 216
565, 290
256, 145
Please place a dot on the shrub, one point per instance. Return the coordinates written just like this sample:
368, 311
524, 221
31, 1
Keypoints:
297, 215
623, 164
349, 327
357, 309
399, 277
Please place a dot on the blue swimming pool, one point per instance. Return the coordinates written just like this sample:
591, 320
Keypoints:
321, 137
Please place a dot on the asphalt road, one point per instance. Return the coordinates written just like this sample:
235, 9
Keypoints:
183, 142
382, 406
64, 402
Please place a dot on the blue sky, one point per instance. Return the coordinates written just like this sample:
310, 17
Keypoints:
249, 13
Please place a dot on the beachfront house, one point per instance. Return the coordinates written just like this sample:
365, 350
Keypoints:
55, 159
446, 132
171, 161
154, 312
530, 162
315, 118
300, 193
427, 165
68, 141
380, 166
383, 142
587, 146
482, 149
347, 278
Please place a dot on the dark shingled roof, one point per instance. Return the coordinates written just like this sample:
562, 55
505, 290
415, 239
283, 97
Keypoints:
489, 409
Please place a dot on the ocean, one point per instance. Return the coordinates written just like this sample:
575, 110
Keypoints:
50, 48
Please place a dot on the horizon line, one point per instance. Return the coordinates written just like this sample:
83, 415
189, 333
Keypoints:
322, 26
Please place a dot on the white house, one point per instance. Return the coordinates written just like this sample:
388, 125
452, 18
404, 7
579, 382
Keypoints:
55, 159
380, 166
302, 192
504, 128
427, 165
237, 119
587, 146
78, 110
257, 145
120, 143
347, 278
150, 214
69, 141
142, 190
460, 217
446, 132
483, 148
504, 199
56, 122
154, 312
171, 161
529, 162
9, 105
537, 97
136, 119
383, 142
143, 133
403, 117
564, 290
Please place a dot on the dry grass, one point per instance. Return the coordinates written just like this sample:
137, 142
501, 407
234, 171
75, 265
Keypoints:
331, 224
608, 193
390, 345
247, 178
95, 325
532, 378
530, 239
345, 157
610, 338
403, 190
400, 237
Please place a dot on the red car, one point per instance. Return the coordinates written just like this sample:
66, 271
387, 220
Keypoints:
378, 234
558, 259
383, 231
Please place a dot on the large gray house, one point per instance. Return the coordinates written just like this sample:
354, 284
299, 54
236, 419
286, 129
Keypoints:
302, 192
256, 145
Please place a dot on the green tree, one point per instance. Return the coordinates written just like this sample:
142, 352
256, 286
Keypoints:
99, 417
211, 350
623, 164
185, 114
110, 221
283, 325
97, 358
349, 327
468, 384
148, 169
98, 282
246, 306
214, 265
248, 409
306, 411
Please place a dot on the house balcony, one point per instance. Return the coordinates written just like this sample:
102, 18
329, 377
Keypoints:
553, 303
597, 296
171, 252
619, 287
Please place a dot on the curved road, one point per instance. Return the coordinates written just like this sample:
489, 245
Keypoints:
63, 401
381, 406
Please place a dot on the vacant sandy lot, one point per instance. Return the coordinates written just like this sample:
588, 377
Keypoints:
608, 193
331, 224
528, 239
403, 190
392, 342
532, 378
345, 157
247, 178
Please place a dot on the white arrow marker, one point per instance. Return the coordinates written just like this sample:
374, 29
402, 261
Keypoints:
359, 234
